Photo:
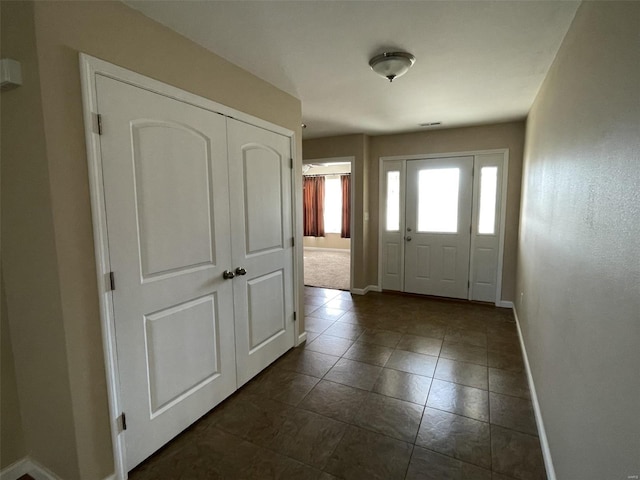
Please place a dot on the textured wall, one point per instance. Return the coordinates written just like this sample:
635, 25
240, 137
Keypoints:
12, 446
56, 286
579, 253
29, 263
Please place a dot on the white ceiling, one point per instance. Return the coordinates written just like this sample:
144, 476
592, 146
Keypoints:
476, 61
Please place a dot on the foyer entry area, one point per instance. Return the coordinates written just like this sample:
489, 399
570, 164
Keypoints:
387, 387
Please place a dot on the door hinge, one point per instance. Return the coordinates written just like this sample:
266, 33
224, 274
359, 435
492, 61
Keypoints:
291, 163
99, 123
295, 316
293, 241
112, 281
123, 421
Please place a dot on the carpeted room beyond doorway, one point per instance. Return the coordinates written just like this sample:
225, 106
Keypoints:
327, 268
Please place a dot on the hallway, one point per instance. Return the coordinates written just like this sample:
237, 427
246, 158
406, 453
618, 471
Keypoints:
386, 387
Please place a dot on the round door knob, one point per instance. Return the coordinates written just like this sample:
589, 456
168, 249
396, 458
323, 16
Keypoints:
408, 239
227, 275
409, 229
240, 271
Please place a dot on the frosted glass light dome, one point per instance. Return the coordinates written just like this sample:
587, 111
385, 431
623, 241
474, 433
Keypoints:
392, 65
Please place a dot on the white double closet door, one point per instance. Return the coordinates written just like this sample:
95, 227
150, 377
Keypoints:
440, 232
190, 195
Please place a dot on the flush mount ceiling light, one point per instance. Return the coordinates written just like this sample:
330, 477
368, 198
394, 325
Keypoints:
392, 65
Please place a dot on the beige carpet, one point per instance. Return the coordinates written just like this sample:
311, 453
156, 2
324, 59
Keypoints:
328, 269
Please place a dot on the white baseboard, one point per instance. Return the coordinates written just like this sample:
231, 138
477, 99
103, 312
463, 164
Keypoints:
27, 466
327, 249
365, 290
15, 470
302, 338
542, 434
504, 304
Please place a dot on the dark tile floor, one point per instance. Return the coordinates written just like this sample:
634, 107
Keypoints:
386, 387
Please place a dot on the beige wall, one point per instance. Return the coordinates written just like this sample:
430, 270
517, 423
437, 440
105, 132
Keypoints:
12, 446
116, 33
350, 146
330, 240
29, 263
579, 253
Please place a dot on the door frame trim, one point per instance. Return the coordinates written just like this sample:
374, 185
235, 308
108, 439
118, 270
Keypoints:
503, 206
352, 161
90, 68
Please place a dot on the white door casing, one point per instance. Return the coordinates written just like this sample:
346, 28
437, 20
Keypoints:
262, 244
167, 203
437, 260
486, 242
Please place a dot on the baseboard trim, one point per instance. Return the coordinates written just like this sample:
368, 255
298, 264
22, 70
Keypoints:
27, 466
302, 338
365, 290
327, 249
16, 469
542, 434
504, 304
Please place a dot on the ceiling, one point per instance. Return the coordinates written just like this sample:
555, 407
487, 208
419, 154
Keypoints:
476, 61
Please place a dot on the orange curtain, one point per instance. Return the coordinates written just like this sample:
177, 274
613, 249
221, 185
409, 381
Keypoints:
313, 206
345, 181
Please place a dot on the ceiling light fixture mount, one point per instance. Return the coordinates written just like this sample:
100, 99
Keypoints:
392, 65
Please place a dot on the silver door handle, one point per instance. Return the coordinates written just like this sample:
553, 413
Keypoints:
408, 239
240, 271
227, 275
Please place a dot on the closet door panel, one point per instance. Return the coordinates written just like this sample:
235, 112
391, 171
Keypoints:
167, 208
262, 248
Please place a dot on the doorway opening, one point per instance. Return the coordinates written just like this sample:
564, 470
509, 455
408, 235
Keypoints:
442, 224
328, 207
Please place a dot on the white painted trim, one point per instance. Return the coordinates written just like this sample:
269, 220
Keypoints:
326, 249
382, 197
90, 68
504, 304
88, 71
16, 469
298, 283
365, 290
27, 466
427, 156
503, 224
301, 338
309, 161
542, 434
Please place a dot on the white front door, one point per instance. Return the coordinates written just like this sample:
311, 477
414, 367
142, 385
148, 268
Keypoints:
167, 205
262, 245
437, 226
